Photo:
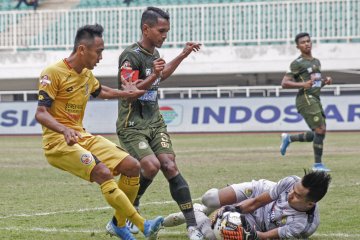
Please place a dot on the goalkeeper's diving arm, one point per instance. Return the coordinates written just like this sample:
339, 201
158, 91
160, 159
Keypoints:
250, 205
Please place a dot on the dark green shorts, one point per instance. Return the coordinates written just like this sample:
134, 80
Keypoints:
314, 115
141, 143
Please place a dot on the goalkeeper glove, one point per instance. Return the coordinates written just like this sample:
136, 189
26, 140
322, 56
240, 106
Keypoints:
221, 211
239, 234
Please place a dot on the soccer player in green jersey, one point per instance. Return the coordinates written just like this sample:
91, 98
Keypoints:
64, 90
140, 126
305, 74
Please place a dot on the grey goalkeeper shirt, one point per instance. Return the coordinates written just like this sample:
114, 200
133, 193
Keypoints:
290, 222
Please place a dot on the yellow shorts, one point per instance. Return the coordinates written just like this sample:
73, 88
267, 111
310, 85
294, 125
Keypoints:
79, 158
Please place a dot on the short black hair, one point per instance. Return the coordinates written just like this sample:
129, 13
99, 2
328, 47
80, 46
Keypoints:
87, 33
151, 14
301, 35
317, 182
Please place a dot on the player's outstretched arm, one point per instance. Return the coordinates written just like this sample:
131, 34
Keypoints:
44, 118
251, 204
129, 91
171, 66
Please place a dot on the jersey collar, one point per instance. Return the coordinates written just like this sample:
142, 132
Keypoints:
144, 50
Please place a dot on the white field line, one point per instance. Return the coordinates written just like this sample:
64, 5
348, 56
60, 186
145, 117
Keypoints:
65, 230
104, 208
80, 210
162, 231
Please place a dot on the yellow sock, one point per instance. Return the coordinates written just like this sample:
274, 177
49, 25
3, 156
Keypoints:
120, 202
130, 186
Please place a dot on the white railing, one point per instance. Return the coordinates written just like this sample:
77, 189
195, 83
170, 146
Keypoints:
249, 91
246, 23
211, 92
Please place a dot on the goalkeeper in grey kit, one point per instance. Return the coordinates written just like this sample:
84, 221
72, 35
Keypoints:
283, 210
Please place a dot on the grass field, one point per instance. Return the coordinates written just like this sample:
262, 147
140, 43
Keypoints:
38, 201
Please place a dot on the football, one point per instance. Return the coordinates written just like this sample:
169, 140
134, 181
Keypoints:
229, 221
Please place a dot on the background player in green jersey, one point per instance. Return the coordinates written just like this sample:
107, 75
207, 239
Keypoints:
305, 74
140, 126
64, 90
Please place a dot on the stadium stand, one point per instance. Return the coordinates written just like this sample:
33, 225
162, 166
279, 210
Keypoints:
137, 3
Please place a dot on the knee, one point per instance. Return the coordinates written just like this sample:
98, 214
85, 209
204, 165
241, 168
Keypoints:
150, 168
211, 198
129, 166
133, 168
169, 168
321, 130
100, 174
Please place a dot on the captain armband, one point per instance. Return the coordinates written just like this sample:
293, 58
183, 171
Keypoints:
44, 99
96, 93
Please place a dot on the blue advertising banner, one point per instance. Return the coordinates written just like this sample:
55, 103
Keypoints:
201, 115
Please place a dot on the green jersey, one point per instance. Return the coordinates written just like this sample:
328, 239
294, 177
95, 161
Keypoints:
137, 63
301, 70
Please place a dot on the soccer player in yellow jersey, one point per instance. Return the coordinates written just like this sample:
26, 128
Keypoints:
64, 89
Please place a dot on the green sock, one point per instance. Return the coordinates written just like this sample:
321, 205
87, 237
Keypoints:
302, 137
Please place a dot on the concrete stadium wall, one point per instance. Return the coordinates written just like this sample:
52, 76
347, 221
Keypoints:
210, 60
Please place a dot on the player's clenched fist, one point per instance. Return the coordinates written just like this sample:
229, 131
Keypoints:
159, 65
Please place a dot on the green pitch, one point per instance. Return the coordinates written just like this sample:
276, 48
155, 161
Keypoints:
38, 201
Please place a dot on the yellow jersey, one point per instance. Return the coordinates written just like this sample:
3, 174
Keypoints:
65, 93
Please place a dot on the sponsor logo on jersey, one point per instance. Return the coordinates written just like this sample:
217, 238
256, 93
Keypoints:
74, 108
69, 89
309, 70
148, 71
86, 158
45, 80
143, 145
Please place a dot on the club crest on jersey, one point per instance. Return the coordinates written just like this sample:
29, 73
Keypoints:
45, 80
148, 71
143, 145
248, 192
309, 70
86, 158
